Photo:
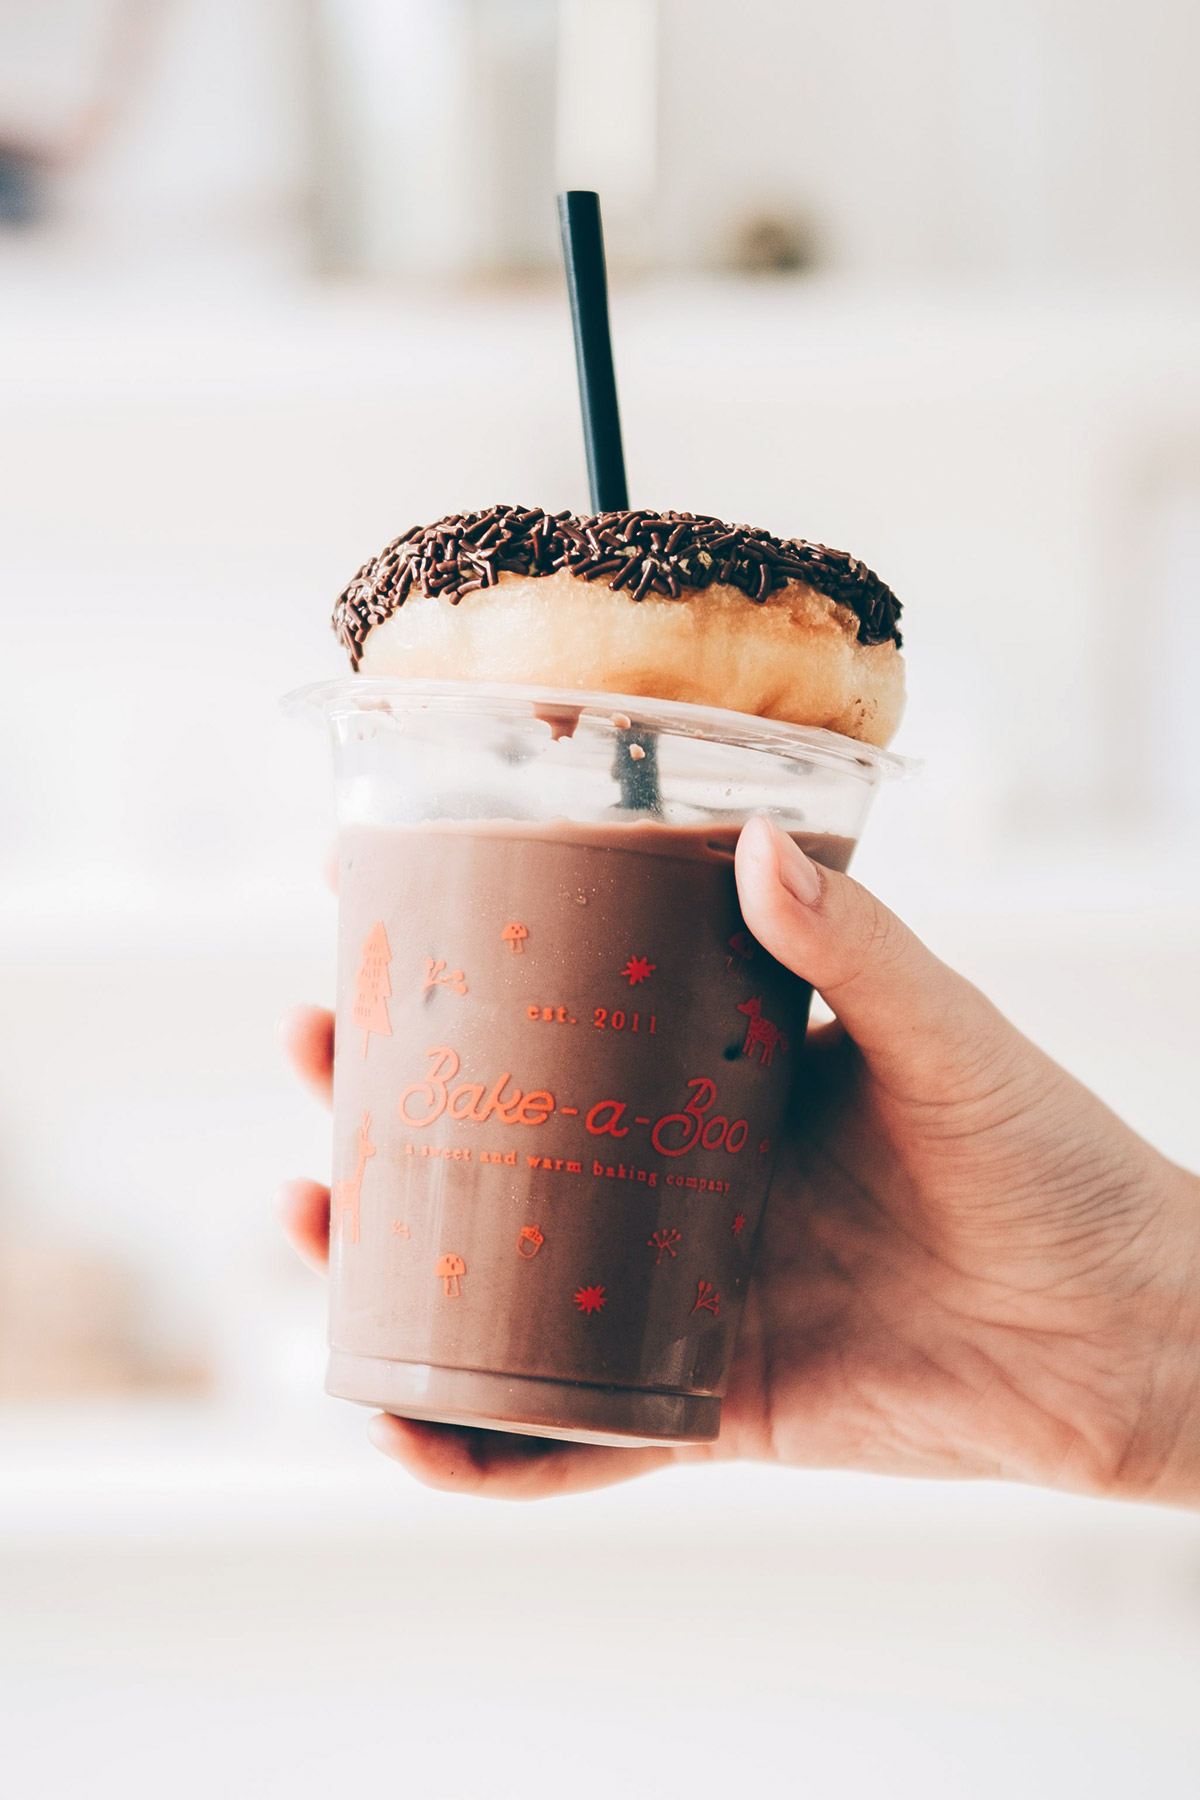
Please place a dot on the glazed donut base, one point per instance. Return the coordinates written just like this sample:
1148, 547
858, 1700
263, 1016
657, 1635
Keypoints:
794, 656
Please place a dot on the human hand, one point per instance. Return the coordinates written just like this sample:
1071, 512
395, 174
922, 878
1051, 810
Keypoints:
968, 1266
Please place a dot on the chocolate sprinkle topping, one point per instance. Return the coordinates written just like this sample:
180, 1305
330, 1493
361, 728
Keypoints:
641, 552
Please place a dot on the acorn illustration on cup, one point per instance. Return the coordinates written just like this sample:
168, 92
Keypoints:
530, 1240
449, 1268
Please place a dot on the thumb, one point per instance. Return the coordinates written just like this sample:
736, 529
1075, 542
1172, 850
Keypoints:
919, 1025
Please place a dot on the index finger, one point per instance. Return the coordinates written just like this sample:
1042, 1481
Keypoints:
306, 1034
506, 1465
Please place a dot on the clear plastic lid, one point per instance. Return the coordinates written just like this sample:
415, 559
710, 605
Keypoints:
561, 709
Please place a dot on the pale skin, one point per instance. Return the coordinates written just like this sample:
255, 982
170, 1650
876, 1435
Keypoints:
968, 1266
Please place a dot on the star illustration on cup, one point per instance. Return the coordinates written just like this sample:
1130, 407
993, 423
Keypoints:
589, 1299
638, 969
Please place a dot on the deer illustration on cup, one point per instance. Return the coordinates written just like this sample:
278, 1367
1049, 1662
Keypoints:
346, 1193
761, 1035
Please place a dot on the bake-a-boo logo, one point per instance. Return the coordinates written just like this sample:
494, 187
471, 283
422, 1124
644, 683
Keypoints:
696, 1125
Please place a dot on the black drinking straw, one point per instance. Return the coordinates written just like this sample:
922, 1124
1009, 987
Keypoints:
587, 284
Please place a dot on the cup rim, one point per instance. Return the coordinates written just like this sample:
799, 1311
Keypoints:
348, 694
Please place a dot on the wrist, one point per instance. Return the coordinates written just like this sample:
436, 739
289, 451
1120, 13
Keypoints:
1161, 1459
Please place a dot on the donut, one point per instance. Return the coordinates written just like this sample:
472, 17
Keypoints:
663, 605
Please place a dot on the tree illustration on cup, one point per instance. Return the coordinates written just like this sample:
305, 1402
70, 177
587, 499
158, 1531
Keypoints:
449, 1268
373, 987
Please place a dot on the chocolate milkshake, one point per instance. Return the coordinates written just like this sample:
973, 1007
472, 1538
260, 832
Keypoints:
562, 1063
561, 1066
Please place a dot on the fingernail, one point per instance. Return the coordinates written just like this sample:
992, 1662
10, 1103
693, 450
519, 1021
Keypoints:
798, 873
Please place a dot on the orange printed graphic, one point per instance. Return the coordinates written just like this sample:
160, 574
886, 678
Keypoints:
552, 1015
638, 969
764, 1147
514, 936
743, 947
346, 1193
707, 1298
716, 1133
664, 1242
606, 1115
449, 1268
373, 987
616, 1020
467, 1102
443, 1094
589, 1299
761, 1035
739, 1224
400, 1229
530, 1240
436, 976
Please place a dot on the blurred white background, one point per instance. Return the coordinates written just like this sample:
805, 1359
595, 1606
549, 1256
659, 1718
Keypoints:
915, 277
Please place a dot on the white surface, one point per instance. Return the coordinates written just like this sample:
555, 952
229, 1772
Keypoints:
160, 1474
191, 1604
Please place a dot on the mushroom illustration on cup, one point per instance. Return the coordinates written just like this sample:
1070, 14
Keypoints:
449, 1268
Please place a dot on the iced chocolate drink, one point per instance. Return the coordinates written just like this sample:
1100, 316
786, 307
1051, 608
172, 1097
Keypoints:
564, 1109
562, 1061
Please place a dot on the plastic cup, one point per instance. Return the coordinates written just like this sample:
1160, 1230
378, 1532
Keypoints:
562, 1063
